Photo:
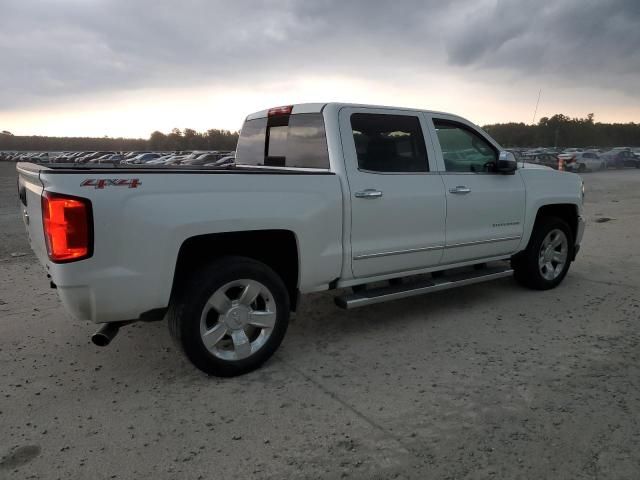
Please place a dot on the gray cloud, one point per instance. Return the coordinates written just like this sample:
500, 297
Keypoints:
587, 42
69, 47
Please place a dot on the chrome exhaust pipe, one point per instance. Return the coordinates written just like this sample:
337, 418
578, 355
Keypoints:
105, 334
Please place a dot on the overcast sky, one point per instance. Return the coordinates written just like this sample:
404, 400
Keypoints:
128, 67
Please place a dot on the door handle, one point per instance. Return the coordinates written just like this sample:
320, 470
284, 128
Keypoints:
460, 190
369, 193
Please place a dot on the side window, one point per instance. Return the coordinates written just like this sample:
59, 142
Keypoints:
389, 143
463, 149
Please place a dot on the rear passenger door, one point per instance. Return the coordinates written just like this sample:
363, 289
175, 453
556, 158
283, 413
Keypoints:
397, 200
485, 209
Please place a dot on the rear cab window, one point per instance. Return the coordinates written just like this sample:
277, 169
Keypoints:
288, 140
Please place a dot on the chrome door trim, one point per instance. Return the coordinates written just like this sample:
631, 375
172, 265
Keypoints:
373, 172
397, 252
480, 242
435, 247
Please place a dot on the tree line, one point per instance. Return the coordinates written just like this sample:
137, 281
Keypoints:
61, 144
562, 131
187, 139
556, 131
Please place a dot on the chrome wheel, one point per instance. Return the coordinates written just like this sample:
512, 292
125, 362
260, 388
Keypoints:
238, 319
553, 255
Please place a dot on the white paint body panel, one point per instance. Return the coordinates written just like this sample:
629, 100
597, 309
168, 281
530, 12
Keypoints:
138, 232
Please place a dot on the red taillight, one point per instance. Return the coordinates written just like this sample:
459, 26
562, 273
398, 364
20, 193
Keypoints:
286, 110
67, 227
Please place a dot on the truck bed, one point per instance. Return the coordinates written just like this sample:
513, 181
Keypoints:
142, 216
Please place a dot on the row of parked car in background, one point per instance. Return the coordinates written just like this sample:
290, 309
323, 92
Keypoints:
581, 160
570, 159
192, 158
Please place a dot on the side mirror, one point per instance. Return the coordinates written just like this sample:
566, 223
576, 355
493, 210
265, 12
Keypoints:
507, 163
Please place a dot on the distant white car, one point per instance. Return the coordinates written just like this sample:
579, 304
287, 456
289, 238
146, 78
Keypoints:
160, 160
572, 150
227, 160
142, 158
582, 161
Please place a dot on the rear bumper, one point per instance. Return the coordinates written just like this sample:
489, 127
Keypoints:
83, 303
113, 294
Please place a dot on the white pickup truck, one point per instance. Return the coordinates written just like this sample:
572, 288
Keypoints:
382, 203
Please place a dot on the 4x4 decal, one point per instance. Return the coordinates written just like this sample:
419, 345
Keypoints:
111, 182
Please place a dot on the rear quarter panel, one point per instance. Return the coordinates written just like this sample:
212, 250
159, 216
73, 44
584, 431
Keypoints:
138, 231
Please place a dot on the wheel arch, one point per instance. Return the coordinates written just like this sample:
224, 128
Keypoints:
276, 248
568, 212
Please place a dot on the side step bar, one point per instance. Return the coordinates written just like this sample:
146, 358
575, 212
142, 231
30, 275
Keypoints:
385, 294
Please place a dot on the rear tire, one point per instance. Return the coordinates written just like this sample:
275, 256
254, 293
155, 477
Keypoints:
545, 262
231, 316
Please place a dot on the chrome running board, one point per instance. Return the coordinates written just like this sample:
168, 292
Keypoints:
396, 292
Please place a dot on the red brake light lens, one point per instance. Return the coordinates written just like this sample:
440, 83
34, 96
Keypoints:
67, 227
286, 110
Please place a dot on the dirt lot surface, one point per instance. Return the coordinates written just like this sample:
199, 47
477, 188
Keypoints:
488, 381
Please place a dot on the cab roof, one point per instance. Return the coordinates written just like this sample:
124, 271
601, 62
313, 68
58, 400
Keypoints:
318, 107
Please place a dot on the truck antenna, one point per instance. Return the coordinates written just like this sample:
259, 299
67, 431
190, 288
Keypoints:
535, 112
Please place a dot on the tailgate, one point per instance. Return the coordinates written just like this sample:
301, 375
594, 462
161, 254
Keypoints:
30, 193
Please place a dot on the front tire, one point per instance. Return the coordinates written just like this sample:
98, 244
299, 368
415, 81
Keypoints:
545, 262
231, 316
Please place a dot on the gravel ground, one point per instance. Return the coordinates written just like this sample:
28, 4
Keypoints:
488, 381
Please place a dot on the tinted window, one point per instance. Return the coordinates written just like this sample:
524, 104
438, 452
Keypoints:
463, 149
389, 143
285, 140
250, 149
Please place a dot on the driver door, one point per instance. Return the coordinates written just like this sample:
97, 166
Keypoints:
485, 209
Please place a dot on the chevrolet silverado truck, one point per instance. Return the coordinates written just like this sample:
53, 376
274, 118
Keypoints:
377, 203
